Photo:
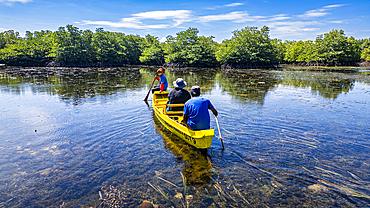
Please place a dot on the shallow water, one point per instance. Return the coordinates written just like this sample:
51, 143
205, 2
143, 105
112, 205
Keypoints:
292, 139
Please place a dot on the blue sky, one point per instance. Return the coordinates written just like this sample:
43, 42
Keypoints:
287, 20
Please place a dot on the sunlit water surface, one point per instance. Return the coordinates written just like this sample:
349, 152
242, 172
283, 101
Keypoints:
292, 139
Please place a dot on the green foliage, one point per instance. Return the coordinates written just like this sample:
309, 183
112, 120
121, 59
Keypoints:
279, 48
365, 49
153, 53
74, 47
109, 47
34, 49
133, 45
335, 48
301, 51
70, 46
332, 48
249, 47
190, 49
8, 37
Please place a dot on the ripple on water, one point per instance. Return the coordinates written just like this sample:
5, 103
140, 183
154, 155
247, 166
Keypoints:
296, 142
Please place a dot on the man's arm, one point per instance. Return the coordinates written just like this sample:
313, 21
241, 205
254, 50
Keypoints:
214, 111
185, 120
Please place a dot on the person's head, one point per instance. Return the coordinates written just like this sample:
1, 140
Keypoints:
179, 83
159, 72
195, 91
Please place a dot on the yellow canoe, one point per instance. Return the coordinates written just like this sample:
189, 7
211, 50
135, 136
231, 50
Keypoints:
172, 120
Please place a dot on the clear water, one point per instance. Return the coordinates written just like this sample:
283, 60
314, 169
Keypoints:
292, 139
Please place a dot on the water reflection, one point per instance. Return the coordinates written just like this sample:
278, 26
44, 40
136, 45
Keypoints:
206, 79
249, 86
286, 144
196, 166
73, 84
327, 85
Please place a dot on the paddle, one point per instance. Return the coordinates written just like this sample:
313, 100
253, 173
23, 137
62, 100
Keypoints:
147, 95
219, 132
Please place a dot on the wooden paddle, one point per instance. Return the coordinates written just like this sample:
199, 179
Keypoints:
219, 132
147, 95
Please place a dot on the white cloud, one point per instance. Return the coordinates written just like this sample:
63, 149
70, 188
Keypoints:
280, 24
125, 23
314, 13
176, 17
237, 17
334, 6
297, 24
234, 4
163, 39
175, 14
227, 5
310, 29
319, 12
9, 2
294, 28
279, 17
300, 26
337, 22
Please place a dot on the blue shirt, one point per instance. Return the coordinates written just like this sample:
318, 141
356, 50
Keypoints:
164, 81
197, 111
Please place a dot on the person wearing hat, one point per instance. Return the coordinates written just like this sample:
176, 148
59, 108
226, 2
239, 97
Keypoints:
178, 95
163, 84
195, 113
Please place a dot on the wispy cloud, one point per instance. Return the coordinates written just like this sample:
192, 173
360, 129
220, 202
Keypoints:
227, 5
278, 17
333, 6
338, 22
13, 1
234, 4
300, 25
174, 18
178, 16
294, 28
125, 23
319, 12
237, 17
175, 14
232, 16
280, 24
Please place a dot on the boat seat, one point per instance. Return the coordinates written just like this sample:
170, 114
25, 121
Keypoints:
161, 101
173, 112
175, 105
170, 112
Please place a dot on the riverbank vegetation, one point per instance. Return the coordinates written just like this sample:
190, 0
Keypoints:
249, 47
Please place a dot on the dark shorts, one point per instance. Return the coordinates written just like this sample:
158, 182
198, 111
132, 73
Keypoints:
156, 88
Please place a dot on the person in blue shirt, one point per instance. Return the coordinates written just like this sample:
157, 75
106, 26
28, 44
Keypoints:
163, 84
195, 113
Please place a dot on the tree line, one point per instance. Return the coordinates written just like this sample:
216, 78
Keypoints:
249, 47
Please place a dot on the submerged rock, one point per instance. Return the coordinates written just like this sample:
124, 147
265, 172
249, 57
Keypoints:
146, 205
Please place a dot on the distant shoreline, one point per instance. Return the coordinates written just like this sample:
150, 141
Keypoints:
71, 69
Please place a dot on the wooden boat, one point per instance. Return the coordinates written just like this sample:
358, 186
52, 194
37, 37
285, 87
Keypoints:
172, 120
